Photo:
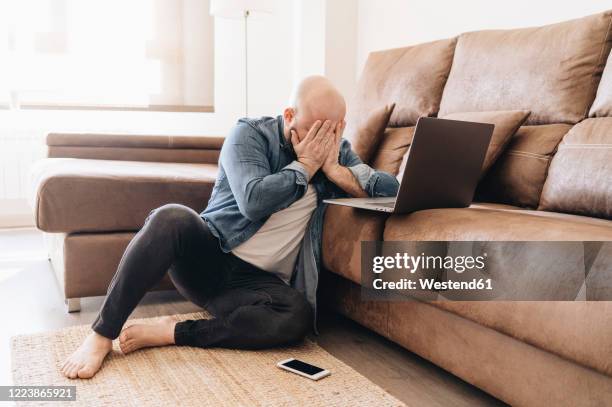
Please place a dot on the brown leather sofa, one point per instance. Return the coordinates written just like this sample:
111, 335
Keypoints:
553, 182
94, 191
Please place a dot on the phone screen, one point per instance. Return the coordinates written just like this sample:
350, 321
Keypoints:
303, 367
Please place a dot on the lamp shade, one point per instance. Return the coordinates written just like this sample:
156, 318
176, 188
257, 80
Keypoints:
237, 8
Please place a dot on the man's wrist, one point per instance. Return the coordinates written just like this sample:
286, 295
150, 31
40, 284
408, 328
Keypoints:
309, 167
333, 171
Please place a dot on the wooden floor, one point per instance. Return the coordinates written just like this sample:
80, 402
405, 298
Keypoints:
30, 301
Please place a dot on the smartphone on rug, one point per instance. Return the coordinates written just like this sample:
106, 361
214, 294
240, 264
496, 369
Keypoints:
303, 369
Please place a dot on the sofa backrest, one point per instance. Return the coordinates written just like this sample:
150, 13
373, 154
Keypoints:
411, 77
558, 72
552, 70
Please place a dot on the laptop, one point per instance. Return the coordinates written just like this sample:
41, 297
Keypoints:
442, 168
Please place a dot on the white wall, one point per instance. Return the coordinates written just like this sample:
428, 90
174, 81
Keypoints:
199, 55
395, 23
325, 41
341, 45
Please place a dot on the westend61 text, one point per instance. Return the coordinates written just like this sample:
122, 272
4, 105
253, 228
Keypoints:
432, 284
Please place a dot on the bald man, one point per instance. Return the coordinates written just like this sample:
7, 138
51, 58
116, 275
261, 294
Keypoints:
252, 257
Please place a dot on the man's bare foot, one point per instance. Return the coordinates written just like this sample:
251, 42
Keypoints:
88, 358
139, 336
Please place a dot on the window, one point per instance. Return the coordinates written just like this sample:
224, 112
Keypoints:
106, 54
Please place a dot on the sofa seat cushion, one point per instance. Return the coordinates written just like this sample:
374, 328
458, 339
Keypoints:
80, 195
344, 229
577, 331
495, 223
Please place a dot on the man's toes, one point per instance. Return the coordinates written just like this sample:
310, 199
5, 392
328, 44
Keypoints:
127, 346
66, 368
86, 372
125, 335
73, 372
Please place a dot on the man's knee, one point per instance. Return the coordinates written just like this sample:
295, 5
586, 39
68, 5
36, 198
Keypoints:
172, 217
299, 318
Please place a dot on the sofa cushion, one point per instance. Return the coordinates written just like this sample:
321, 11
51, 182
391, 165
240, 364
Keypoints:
480, 222
602, 106
506, 124
495, 223
134, 141
580, 174
79, 195
135, 147
341, 245
392, 149
411, 77
366, 138
158, 155
553, 70
518, 175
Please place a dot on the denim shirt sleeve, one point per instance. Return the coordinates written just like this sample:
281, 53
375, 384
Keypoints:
258, 191
375, 183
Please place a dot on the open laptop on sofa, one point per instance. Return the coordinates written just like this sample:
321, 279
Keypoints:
442, 169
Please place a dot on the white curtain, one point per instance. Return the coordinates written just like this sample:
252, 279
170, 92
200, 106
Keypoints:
105, 53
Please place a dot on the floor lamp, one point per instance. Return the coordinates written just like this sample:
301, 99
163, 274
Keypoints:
244, 9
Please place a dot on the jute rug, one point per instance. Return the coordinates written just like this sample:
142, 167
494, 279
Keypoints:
185, 376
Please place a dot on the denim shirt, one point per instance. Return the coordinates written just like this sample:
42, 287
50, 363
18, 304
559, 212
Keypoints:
259, 175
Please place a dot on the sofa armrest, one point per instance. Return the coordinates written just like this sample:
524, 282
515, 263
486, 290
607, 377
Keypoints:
135, 147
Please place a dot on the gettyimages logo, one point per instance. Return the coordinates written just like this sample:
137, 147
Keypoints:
486, 270
405, 261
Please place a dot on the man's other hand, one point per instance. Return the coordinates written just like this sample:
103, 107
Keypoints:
312, 151
333, 152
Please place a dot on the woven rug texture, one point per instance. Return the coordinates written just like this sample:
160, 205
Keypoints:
186, 376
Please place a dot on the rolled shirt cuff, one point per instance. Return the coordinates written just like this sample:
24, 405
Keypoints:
303, 177
362, 173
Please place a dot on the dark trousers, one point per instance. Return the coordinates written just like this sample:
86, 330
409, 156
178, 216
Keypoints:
251, 308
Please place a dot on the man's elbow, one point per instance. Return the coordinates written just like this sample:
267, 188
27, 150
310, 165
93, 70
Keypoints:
386, 185
252, 211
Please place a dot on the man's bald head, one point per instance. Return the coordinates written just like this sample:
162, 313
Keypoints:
314, 98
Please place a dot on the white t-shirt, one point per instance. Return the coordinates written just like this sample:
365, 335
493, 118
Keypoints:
276, 245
